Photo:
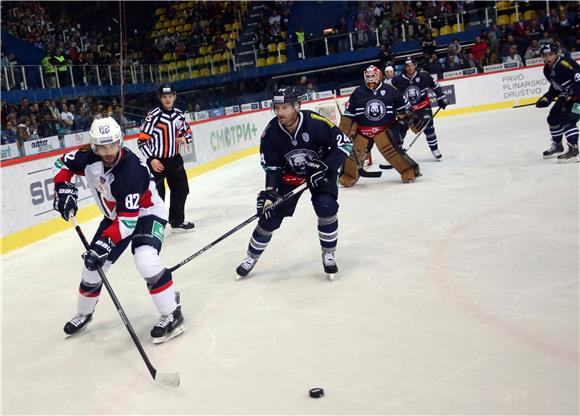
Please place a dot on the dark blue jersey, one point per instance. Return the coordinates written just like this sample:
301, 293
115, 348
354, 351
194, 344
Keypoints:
564, 78
376, 108
315, 138
416, 88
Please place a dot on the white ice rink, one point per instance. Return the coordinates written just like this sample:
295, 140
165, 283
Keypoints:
457, 294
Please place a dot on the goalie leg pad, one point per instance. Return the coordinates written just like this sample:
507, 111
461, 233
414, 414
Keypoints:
397, 157
350, 175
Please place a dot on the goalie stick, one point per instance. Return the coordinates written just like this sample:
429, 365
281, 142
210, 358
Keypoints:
283, 199
354, 154
167, 379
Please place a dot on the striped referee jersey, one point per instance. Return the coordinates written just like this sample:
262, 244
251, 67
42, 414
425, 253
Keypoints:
160, 131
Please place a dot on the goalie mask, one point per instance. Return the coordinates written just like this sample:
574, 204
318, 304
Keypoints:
373, 76
106, 139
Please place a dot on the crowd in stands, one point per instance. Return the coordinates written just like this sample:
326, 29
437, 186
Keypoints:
510, 43
29, 121
272, 26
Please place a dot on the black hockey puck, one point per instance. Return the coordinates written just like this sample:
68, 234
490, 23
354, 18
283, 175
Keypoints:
316, 393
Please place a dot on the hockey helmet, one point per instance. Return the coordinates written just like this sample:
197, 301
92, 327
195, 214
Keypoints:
410, 61
292, 94
548, 48
105, 131
166, 89
373, 75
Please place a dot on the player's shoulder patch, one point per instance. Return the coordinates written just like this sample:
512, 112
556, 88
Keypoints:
85, 148
318, 117
565, 64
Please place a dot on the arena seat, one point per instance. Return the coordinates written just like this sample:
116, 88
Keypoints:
271, 60
445, 30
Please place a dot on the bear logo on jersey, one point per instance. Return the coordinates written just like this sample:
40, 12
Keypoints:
375, 110
413, 94
297, 159
305, 137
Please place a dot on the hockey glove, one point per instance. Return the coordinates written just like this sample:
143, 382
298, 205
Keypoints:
316, 171
265, 201
543, 102
442, 102
98, 253
65, 199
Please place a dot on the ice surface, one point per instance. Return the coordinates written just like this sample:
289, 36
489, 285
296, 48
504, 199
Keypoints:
457, 294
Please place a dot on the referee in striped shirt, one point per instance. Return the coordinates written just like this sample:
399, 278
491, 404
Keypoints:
165, 128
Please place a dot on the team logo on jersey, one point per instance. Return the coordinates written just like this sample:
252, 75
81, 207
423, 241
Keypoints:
383, 92
413, 94
305, 137
297, 159
375, 110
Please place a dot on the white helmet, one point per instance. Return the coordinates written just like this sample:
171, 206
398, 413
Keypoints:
105, 131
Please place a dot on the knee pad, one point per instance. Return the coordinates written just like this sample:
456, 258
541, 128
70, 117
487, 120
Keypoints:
147, 261
270, 224
92, 277
325, 205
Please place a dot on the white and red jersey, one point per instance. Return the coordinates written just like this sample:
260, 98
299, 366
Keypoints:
123, 193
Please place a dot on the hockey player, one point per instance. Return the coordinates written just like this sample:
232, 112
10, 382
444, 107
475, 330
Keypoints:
134, 213
371, 115
563, 73
298, 145
389, 75
415, 85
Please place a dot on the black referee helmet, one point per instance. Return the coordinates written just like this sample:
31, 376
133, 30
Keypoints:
166, 89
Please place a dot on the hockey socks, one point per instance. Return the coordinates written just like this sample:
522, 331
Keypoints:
328, 233
259, 241
556, 131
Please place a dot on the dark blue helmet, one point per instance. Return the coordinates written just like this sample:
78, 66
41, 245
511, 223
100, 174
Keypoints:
293, 94
549, 48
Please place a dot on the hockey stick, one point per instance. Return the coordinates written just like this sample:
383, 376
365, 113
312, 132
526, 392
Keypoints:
421, 131
168, 379
354, 154
286, 197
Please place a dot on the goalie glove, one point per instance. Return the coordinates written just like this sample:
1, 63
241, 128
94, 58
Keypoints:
65, 199
98, 253
316, 171
265, 201
544, 101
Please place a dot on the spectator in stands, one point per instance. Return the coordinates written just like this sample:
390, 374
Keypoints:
24, 131
478, 50
452, 63
454, 47
385, 56
512, 57
490, 58
81, 120
546, 38
24, 109
9, 133
428, 44
533, 50
510, 42
54, 111
118, 116
433, 66
47, 128
67, 117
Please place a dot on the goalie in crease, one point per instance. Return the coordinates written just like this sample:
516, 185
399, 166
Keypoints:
297, 146
371, 117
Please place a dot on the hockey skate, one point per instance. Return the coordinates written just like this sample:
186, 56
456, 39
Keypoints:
570, 156
329, 264
245, 267
553, 151
437, 154
77, 324
169, 326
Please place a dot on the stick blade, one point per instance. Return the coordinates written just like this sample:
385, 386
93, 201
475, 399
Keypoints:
167, 379
365, 174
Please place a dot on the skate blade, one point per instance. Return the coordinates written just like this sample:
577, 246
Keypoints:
176, 332
181, 230
571, 160
330, 276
